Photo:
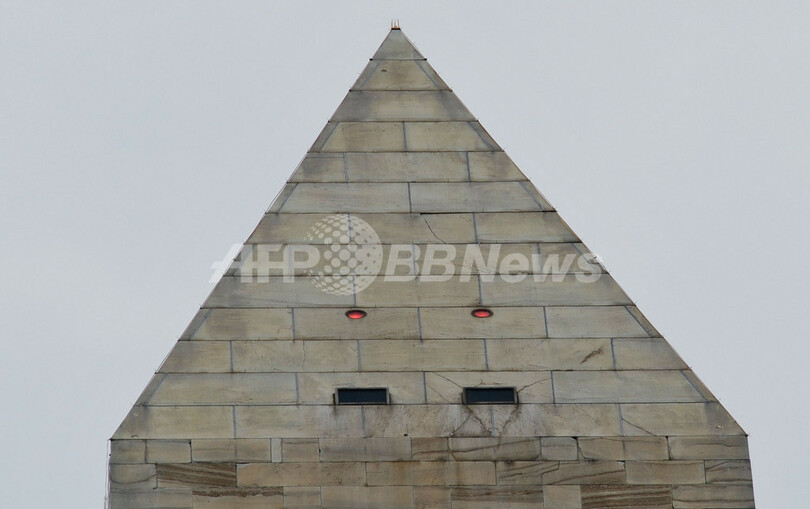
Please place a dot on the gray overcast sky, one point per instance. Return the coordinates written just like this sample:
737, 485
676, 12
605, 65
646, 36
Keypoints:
140, 140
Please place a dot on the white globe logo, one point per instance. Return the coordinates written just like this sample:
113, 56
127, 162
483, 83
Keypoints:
352, 255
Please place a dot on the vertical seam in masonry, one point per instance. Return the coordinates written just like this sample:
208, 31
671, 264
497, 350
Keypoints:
233, 416
469, 174
410, 202
363, 418
424, 384
359, 362
545, 320
613, 352
553, 395
346, 167
419, 322
404, 137
475, 227
230, 353
486, 355
621, 420
480, 291
292, 314
297, 391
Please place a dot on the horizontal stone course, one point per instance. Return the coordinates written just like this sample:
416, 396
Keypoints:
418, 473
231, 450
665, 472
709, 447
623, 448
623, 387
714, 496
560, 472
300, 474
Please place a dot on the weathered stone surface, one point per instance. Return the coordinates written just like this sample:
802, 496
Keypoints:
177, 422
302, 497
559, 448
168, 451
294, 356
645, 353
447, 136
562, 497
298, 450
204, 475
678, 419
714, 496
562, 291
592, 322
133, 476
420, 105
139, 500
423, 291
623, 387
430, 449
354, 197
319, 388
428, 497
665, 472
379, 323
556, 420
494, 448
272, 292
728, 471
427, 421
238, 388
239, 498
230, 449
198, 357
367, 497
407, 167
602, 496
361, 137
320, 168
396, 47
471, 196
422, 228
298, 422
522, 227
227, 324
436, 473
547, 354
449, 323
399, 75
365, 449
567, 258
709, 447
300, 474
448, 386
127, 451
493, 166
403, 355
560, 472
623, 448
509, 497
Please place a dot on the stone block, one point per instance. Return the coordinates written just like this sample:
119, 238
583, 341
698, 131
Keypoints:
623, 387
239, 498
168, 451
567, 258
471, 196
560, 472
709, 447
522, 227
294, 356
623, 448
458, 323
561, 291
430, 449
365, 449
728, 471
281, 198
361, 137
493, 166
133, 476
446, 136
320, 168
714, 496
379, 323
367, 497
228, 324
390, 105
177, 422
298, 421
285, 228
424, 291
407, 167
665, 472
430, 473
420, 228
396, 47
319, 388
429, 497
127, 451
227, 389
343, 197
399, 75
403, 355
302, 497
230, 450
592, 322
569, 420
300, 474
562, 497
196, 475
558, 448
148, 499
198, 357
447, 386
595, 496
646, 353
678, 419
299, 450
427, 421
548, 354
494, 448
272, 292
506, 497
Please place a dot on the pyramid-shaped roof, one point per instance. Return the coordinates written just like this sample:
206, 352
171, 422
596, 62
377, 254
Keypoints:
515, 371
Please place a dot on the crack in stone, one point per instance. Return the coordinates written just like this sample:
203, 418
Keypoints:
596, 352
638, 427
431, 229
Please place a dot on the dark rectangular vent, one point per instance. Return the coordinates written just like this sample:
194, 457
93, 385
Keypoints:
487, 395
358, 396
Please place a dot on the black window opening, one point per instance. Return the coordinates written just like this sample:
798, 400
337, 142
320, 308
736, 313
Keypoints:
490, 395
362, 396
